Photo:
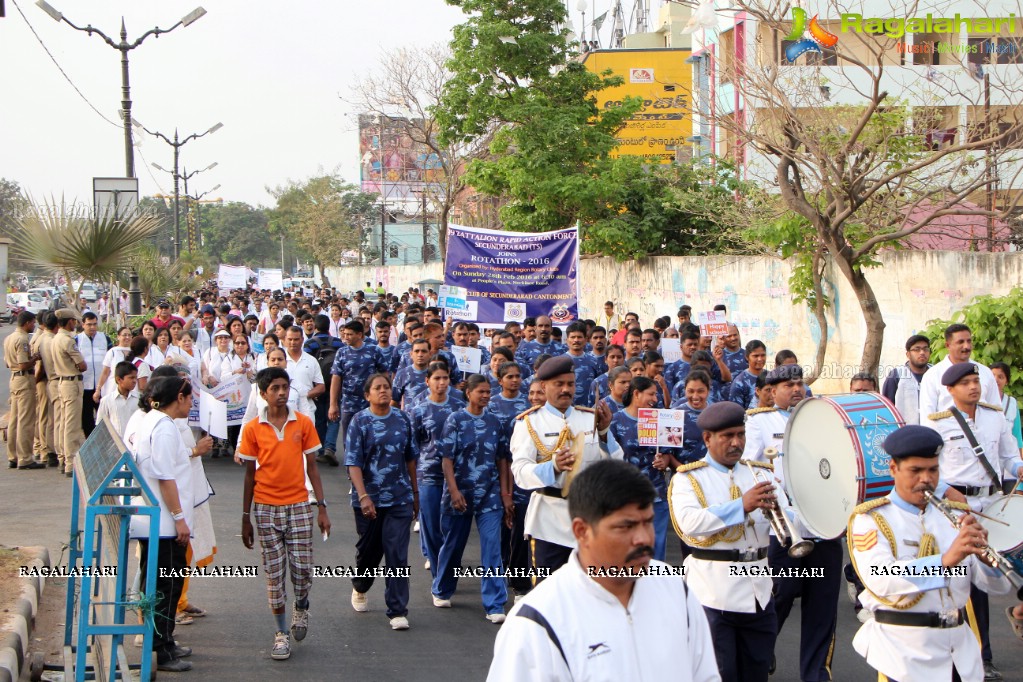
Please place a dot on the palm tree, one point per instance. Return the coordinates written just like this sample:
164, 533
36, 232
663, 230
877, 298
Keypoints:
71, 241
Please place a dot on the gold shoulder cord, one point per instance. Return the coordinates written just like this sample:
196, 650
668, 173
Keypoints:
545, 453
729, 534
928, 547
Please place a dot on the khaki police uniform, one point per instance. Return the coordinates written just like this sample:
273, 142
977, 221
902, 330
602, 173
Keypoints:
67, 361
45, 392
21, 420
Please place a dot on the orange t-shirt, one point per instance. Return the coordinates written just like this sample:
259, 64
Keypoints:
280, 476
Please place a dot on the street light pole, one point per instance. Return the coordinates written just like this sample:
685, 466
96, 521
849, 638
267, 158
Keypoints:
184, 176
124, 47
177, 145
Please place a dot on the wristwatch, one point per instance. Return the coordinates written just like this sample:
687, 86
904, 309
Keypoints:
321, 503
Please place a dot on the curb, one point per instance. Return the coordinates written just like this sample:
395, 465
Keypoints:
16, 626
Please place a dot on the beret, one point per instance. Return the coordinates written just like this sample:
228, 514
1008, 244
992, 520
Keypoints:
553, 367
163, 304
720, 416
68, 314
913, 441
784, 373
207, 309
954, 374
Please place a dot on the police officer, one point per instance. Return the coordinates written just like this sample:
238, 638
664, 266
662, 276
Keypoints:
45, 447
21, 421
68, 366
819, 603
543, 459
979, 448
897, 543
718, 508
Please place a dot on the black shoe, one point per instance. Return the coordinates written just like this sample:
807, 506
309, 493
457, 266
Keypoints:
52, 460
328, 457
991, 672
182, 651
12, 464
32, 465
774, 664
174, 665
69, 474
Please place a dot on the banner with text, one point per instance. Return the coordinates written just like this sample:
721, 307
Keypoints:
232, 277
270, 279
536, 269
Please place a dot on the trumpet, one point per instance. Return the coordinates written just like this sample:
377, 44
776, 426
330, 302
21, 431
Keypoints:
783, 527
990, 554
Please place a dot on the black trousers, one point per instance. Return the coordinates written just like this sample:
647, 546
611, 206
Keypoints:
88, 412
743, 642
518, 550
547, 555
983, 613
819, 597
385, 537
170, 556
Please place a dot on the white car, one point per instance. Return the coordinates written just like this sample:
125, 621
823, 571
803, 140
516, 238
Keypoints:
32, 302
89, 292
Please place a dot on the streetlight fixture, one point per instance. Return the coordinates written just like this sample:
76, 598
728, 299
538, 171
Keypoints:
124, 47
581, 7
177, 145
183, 177
197, 235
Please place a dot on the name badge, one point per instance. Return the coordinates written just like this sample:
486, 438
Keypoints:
778, 435
959, 437
550, 435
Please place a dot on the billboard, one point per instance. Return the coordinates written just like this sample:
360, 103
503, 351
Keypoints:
663, 79
394, 165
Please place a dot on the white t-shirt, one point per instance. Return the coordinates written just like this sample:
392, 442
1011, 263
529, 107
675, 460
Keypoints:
162, 456
110, 360
305, 373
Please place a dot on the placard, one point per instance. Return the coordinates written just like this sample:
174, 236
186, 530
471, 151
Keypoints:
232, 277
514, 312
712, 323
469, 313
270, 279
212, 415
671, 350
670, 428
468, 358
647, 426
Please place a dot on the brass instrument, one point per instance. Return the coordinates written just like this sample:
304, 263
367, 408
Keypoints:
990, 554
782, 525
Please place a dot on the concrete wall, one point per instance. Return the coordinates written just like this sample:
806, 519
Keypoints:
912, 288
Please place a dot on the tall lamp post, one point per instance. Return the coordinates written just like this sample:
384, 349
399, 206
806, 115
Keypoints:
124, 47
196, 199
183, 176
177, 145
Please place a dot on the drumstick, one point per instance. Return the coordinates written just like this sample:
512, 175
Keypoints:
1019, 477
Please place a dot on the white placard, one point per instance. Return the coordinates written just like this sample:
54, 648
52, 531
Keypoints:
670, 427
270, 279
452, 297
212, 415
712, 323
469, 359
514, 312
671, 350
231, 277
469, 313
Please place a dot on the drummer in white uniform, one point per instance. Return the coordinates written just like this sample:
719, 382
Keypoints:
976, 474
542, 458
918, 632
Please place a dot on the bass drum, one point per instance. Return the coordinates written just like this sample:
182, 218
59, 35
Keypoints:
1007, 540
833, 457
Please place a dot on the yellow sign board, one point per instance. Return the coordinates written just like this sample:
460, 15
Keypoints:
664, 81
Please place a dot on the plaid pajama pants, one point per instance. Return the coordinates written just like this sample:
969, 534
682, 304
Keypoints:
285, 537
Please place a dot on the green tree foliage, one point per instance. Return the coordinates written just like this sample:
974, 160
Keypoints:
513, 70
12, 205
324, 216
997, 326
236, 233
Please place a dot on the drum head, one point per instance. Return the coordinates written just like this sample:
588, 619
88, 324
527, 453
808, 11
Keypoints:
822, 467
1005, 539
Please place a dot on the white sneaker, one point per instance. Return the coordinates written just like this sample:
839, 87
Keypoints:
863, 615
850, 591
399, 623
441, 603
138, 640
415, 527
427, 565
519, 597
359, 601
495, 618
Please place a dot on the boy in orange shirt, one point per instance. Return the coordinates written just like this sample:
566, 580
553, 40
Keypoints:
284, 444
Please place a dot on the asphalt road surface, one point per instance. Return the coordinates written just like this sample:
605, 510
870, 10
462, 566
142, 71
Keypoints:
233, 641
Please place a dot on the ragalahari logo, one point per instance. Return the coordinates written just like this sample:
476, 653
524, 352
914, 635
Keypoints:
817, 39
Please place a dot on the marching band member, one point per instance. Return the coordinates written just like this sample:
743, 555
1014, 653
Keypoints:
899, 544
714, 505
542, 458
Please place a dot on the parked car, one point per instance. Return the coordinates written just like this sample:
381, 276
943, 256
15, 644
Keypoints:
89, 292
29, 301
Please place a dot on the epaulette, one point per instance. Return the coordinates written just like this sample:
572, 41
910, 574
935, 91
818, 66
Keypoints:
955, 504
692, 466
584, 409
935, 416
529, 411
871, 505
997, 408
760, 410
763, 465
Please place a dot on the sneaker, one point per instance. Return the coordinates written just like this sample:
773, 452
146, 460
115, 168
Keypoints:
519, 597
426, 564
850, 591
991, 672
174, 665
864, 615
182, 651
282, 647
359, 601
138, 640
401, 623
299, 623
194, 611
415, 527
441, 603
495, 618
183, 619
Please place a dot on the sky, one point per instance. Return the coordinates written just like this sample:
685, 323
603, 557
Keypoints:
274, 73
